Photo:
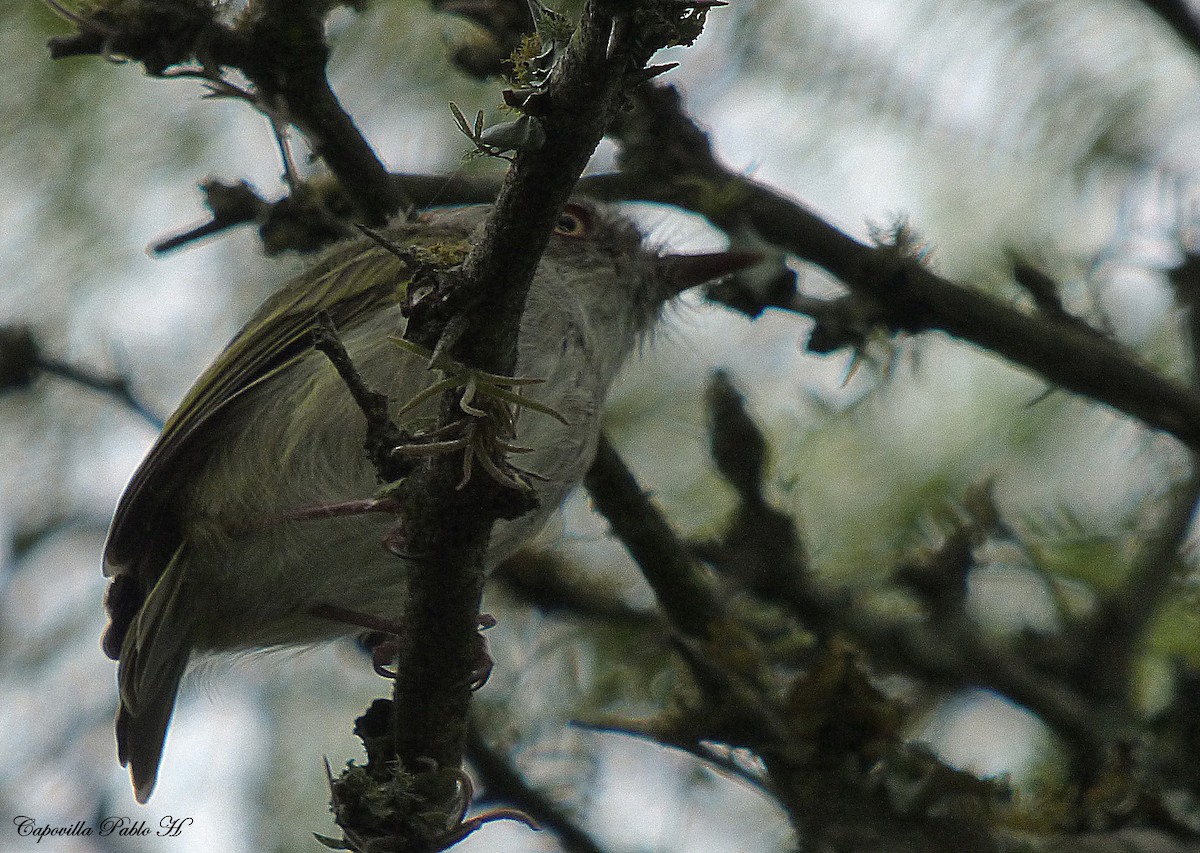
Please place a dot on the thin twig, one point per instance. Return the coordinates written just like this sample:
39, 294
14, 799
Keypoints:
382, 435
282, 51
120, 388
501, 780
22, 360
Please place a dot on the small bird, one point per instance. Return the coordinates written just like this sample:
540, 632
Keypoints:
218, 543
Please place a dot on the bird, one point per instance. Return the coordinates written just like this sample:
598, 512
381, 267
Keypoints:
219, 544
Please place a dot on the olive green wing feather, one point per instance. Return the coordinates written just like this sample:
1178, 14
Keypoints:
145, 532
280, 332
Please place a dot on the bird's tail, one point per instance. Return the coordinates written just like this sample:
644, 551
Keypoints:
154, 656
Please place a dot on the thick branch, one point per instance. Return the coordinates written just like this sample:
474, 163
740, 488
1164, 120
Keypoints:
545, 581
763, 551
667, 158
1178, 15
683, 591
580, 99
478, 322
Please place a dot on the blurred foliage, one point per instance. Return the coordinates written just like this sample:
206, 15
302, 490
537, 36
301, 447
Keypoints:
1076, 86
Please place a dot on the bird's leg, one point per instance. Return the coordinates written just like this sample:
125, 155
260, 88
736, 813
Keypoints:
388, 631
395, 540
341, 509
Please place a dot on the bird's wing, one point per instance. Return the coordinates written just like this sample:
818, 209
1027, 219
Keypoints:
146, 531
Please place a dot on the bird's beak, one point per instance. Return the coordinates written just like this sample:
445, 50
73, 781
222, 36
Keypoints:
684, 271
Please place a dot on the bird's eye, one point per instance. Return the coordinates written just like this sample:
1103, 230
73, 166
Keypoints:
574, 221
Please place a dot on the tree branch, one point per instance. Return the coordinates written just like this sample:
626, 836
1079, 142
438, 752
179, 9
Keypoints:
474, 317
763, 552
280, 47
546, 582
504, 782
21, 360
666, 158
1177, 15
284, 53
686, 595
